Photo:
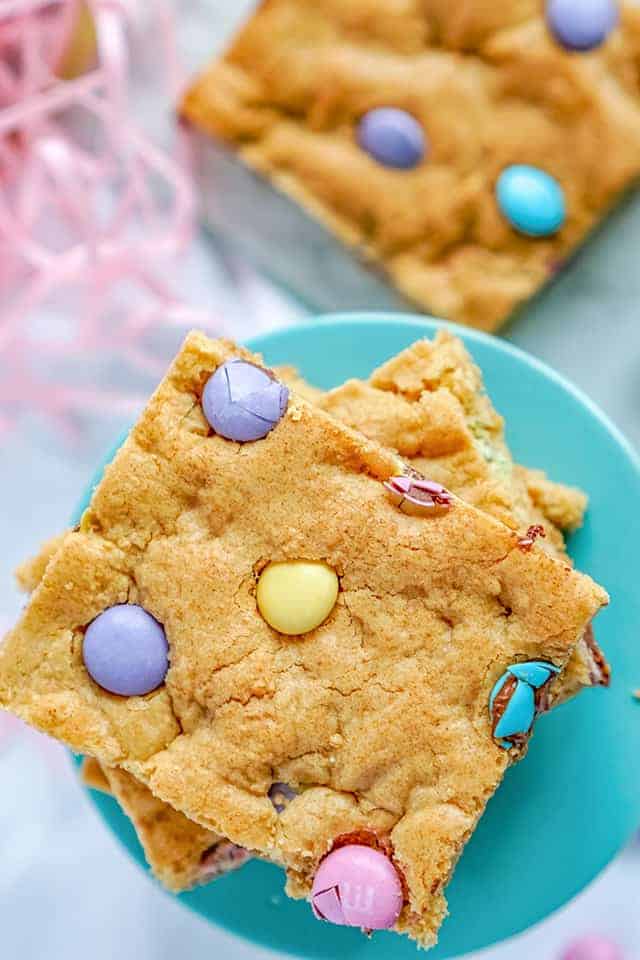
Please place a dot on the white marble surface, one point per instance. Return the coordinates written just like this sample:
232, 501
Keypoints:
67, 891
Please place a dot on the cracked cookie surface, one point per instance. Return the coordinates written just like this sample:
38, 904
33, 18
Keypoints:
378, 717
429, 404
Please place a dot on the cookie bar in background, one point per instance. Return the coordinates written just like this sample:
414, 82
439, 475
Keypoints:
248, 602
462, 150
429, 404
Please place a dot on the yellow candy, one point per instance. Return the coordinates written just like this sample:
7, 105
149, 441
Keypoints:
296, 596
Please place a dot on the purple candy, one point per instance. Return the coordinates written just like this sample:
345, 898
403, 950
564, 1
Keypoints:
125, 651
392, 137
243, 402
281, 794
593, 948
581, 24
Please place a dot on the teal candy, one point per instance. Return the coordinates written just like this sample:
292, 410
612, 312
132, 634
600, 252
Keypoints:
581, 776
534, 672
519, 713
531, 200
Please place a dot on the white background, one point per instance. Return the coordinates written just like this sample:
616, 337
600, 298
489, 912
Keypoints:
67, 890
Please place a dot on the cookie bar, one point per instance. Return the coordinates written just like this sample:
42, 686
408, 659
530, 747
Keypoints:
444, 366
429, 404
462, 150
427, 614
181, 853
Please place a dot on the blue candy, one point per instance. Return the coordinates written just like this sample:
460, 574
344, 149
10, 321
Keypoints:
535, 672
392, 137
520, 712
581, 25
531, 200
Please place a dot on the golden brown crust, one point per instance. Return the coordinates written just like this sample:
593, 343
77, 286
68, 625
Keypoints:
174, 845
29, 574
564, 506
181, 522
181, 853
401, 416
428, 403
491, 87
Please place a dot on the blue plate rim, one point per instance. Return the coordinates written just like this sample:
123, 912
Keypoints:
423, 325
420, 322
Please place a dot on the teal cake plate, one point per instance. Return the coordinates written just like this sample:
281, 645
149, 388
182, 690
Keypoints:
563, 813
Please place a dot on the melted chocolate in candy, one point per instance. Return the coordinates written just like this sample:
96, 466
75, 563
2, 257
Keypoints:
600, 674
281, 794
220, 858
543, 698
428, 496
501, 701
525, 543
413, 493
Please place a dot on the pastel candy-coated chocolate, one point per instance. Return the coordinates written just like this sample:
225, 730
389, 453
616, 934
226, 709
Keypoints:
357, 886
392, 137
581, 25
417, 495
296, 596
535, 672
593, 947
531, 200
125, 651
520, 713
243, 402
281, 795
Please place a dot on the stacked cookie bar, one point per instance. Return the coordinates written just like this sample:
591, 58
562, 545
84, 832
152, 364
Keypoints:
279, 628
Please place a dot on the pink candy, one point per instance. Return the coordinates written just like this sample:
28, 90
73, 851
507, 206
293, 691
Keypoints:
357, 886
88, 209
593, 947
417, 495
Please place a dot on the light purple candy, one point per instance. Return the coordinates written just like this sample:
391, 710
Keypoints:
125, 651
392, 137
243, 402
593, 947
581, 25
